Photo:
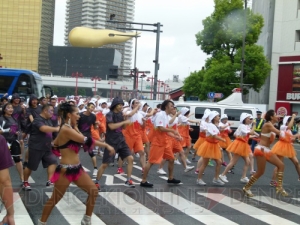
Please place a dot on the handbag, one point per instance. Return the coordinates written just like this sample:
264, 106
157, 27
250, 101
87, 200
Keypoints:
15, 148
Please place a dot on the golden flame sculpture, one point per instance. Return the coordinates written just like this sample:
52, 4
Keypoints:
93, 38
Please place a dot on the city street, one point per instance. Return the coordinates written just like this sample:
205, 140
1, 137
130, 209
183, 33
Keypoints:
187, 203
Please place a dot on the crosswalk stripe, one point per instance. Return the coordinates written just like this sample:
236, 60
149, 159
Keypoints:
246, 209
121, 177
277, 203
30, 180
133, 209
73, 209
86, 169
21, 215
191, 209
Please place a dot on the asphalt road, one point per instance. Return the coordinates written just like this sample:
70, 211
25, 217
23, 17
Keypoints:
186, 203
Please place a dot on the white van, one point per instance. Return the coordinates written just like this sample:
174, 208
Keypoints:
233, 106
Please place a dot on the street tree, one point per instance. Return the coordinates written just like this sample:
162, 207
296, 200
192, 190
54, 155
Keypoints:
222, 39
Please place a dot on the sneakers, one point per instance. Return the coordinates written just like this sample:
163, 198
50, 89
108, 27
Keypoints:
49, 183
252, 172
244, 180
173, 181
177, 162
188, 161
26, 186
224, 164
129, 183
98, 186
95, 172
161, 171
223, 178
210, 163
120, 171
200, 182
146, 184
273, 183
86, 220
218, 182
196, 171
137, 155
188, 168
41, 223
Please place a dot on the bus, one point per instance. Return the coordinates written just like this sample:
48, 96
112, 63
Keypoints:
23, 82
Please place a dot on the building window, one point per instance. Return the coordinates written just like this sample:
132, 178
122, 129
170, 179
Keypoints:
297, 35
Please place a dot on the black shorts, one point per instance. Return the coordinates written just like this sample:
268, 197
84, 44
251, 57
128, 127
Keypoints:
121, 148
36, 156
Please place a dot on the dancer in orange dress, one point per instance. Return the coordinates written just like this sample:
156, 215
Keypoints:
284, 147
240, 147
263, 154
210, 149
225, 130
202, 136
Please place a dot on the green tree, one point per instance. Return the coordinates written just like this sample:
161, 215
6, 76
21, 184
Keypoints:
192, 84
222, 38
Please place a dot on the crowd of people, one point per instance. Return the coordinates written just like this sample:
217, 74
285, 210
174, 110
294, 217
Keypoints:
55, 132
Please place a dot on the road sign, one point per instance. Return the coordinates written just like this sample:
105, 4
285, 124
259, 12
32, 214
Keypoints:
218, 95
211, 94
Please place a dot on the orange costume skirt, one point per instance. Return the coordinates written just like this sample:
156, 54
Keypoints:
284, 148
210, 149
200, 140
264, 151
227, 142
239, 147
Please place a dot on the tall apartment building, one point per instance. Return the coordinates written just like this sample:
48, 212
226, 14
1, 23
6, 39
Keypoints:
280, 38
26, 31
94, 14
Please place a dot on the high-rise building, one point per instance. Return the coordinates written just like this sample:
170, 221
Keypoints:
26, 31
95, 14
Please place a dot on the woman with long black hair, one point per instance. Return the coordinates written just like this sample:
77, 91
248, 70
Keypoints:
68, 143
11, 131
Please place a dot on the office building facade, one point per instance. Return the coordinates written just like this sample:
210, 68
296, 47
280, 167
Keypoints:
95, 14
26, 31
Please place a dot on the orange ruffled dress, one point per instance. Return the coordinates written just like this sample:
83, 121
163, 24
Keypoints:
240, 145
210, 148
284, 146
225, 134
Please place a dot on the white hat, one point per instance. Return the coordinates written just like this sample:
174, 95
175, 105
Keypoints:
93, 102
54, 96
125, 104
206, 114
285, 119
244, 116
212, 115
184, 110
81, 102
130, 104
224, 116
108, 104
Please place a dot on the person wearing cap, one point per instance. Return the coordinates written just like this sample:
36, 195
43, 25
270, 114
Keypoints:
201, 139
175, 143
240, 147
184, 130
284, 147
259, 123
86, 120
225, 130
134, 132
210, 149
159, 147
263, 153
81, 105
115, 124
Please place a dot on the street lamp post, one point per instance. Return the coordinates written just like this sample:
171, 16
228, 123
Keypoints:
159, 84
76, 76
142, 76
95, 79
164, 85
66, 67
112, 83
151, 86
157, 31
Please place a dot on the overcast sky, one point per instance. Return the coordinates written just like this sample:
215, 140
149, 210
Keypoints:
181, 20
